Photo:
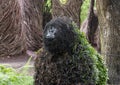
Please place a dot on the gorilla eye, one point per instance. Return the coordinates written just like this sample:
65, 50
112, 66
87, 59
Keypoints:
53, 30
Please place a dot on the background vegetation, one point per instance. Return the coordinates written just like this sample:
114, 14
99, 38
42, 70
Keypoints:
9, 76
84, 10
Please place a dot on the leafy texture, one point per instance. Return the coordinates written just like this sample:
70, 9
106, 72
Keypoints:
8, 76
100, 70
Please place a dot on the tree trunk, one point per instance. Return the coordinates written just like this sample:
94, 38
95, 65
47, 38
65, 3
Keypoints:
71, 8
92, 20
20, 26
32, 22
12, 35
91, 28
109, 19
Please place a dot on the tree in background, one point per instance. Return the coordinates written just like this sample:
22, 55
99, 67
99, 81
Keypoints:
109, 19
20, 26
12, 35
32, 22
90, 27
67, 8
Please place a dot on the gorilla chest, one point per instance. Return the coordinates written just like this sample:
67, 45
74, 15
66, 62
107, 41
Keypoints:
65, 70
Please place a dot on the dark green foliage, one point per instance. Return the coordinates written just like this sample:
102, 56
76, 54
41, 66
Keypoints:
79, 64
47, 6
99, 67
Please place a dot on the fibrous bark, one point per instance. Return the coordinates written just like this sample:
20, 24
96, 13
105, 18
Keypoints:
32, 22
12, 34
72, 9
20, 26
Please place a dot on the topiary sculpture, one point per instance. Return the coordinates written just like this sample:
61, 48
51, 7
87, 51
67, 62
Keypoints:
67, 58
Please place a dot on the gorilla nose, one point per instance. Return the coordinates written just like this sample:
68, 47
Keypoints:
50, 36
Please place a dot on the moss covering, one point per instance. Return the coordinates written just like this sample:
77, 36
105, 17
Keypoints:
100, 71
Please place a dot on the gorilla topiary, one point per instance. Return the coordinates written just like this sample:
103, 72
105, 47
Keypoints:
67, 58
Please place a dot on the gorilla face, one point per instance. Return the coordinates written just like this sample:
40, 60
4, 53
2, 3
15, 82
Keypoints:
58, 36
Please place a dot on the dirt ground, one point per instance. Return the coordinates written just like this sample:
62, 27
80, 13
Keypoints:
18, 62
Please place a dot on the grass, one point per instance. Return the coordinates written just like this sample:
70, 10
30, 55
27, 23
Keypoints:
10, 76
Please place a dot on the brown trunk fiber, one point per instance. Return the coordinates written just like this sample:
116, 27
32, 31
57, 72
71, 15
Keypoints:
71, 8
20, 26
32, 22
12, 35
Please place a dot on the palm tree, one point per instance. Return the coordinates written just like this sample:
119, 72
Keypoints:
20, 26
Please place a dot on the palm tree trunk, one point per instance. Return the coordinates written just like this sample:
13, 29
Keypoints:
20, 26
71, 8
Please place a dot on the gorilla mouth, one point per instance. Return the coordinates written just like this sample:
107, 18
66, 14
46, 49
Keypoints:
54, 46
50, 41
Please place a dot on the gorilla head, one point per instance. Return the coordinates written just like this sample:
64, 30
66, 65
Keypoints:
59, 36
